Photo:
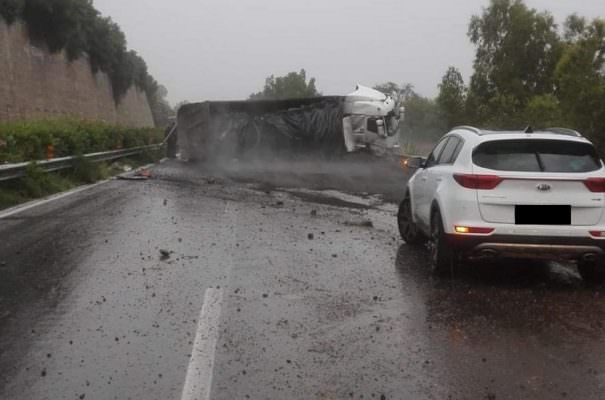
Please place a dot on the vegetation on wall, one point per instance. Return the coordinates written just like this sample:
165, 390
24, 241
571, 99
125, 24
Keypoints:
78, 28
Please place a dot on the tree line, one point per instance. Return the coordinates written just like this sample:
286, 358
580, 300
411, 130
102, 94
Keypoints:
528, 70
294, 85
78, 28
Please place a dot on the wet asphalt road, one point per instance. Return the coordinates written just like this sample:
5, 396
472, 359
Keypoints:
318, 303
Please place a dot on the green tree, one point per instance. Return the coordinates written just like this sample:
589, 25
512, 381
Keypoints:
160, 107
84, 15
543, 112
292, 86
140, 69
580, 76
517, 51
452, 98
10, 10
52, 21
404, 90
422, 121
388, 88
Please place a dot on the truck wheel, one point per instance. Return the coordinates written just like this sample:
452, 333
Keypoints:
443, 256
407, 228
592, 272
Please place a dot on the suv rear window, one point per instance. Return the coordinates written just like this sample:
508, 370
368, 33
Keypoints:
534, 155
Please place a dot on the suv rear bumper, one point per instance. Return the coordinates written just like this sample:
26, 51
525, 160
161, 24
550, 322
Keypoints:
535, 247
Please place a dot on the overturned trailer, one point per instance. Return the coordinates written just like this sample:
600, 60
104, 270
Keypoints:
321, 126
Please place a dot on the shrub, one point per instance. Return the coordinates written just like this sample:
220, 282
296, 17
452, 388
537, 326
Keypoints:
28, 140
88, 172
38, 183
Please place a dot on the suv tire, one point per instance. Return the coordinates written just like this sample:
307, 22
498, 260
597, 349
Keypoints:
407, 228
443, 256
591, 272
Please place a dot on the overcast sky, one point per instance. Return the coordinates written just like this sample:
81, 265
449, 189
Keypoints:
224, 49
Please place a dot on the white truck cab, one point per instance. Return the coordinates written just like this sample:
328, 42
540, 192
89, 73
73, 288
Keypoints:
371, 119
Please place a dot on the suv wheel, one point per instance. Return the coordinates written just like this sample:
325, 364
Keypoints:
591, 272
443, 257
407, 228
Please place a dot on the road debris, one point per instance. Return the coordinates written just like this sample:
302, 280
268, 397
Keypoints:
121, 166
340, 292
132, 178
366, 223
165, 254
142, 174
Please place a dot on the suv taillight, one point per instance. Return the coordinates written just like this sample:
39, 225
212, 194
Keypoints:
595, 185
480, 182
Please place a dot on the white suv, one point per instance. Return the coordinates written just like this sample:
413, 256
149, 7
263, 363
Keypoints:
486, 194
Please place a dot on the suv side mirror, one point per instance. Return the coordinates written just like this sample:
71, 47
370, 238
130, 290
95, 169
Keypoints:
415, 162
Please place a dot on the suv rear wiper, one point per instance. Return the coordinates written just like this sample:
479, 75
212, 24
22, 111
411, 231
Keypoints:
540, 163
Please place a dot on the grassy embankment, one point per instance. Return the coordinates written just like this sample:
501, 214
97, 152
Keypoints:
32, 140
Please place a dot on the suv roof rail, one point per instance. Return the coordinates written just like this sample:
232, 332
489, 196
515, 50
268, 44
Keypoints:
468, 128
564, 131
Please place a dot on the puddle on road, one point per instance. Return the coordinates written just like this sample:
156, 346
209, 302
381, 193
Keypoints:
518, 329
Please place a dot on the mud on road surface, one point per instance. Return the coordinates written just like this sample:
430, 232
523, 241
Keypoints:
101, 292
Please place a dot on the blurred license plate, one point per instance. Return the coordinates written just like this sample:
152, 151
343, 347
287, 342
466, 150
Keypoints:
543, 215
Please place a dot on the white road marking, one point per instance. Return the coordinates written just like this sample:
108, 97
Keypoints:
198, 383
36, 203
200, 372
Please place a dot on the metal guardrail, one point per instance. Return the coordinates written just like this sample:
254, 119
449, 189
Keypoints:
13, 171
